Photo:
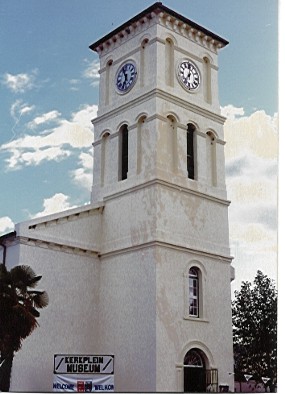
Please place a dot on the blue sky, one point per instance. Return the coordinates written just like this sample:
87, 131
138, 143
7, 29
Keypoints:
49, 94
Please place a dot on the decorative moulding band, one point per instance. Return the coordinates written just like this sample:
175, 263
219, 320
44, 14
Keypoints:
158, 93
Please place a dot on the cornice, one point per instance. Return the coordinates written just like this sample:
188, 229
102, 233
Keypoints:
63, 216
158, 13
145, 245
194, 34
60, 247
122, 36
190, 106
177, 187
159, 93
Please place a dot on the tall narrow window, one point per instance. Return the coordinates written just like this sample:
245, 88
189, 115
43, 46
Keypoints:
124, 159
190, 151
193, 292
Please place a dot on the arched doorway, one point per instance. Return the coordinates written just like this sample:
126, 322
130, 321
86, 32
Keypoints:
194, 372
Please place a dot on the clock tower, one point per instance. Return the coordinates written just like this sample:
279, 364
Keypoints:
159, 170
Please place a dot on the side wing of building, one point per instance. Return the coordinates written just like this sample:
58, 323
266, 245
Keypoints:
64, 249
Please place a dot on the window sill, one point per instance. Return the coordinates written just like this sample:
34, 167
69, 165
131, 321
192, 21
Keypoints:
196, 319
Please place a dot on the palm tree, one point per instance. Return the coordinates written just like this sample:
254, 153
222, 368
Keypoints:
18, 314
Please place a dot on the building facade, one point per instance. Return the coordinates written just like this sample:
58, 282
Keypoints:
144, 271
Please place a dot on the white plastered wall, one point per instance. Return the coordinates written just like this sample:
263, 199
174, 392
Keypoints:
67, 325
176, 333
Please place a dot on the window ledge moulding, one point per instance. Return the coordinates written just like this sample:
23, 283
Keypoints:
196, 319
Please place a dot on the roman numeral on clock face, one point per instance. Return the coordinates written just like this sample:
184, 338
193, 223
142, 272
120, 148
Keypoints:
126, 77
188, 75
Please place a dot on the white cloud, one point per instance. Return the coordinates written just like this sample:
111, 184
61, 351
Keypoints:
92, 72
19, 108
45, 118
19, 83
6, 224
231, 112
74, 84
52, 144
83, 176
251, 175
57, 203
254, 135
39, 155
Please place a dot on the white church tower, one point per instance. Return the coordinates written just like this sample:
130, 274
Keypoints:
159, 169
143, 272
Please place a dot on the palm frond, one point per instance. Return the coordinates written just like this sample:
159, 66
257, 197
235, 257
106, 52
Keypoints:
34, 282
18, 305
3, 269
22, 275
4, 274
39, 298
34, 312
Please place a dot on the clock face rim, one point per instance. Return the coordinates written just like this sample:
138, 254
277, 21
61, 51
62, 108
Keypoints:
179, 77
119, 91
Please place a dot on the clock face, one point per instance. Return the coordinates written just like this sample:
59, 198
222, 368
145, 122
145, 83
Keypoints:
126, 77
189, 75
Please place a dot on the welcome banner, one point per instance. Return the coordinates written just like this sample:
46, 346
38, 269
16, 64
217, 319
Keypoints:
83, 373
83, 383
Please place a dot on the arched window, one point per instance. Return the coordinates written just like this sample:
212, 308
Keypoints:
193, 358
190, 151
194, 372
194, 292
123, 152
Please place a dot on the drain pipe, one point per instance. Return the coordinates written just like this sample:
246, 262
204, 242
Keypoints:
4, 246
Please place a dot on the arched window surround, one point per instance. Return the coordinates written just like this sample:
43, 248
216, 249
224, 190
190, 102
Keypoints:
188, 346
143, 54
201, 296
208, 359
211, 141
172, 121
104, 139
169, 60
194, 289
140, 120
109, 63
207, 88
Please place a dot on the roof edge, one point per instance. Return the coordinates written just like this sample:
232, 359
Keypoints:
7, 236
159, 7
